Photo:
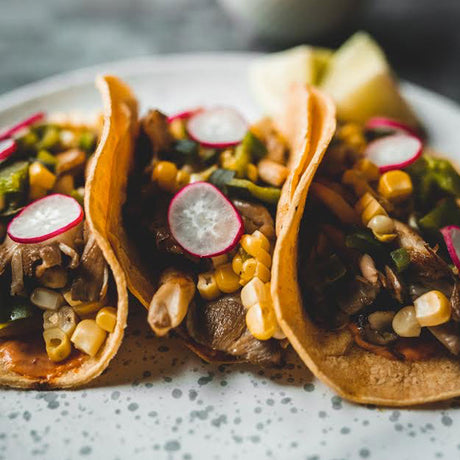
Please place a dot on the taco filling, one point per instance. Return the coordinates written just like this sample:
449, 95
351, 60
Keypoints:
380, 256
200, 209
56, 300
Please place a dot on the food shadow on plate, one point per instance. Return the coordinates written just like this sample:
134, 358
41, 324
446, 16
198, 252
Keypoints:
146, 359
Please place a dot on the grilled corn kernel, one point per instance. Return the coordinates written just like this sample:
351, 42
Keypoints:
219, 260
262, 240
373, 208
405, 323
64, 319
57, 344
88, 337
395, 185
272, 172
368, 169
81, 308
37, 192
237, 264
164, 174
432, 309
177, 128
251, 172
262, 272
261, 322
254, 246
248, 270
362, 203
226, 279
182, 179
207, 286
383, 228
357, 181
65, 184
39, 176
253, 292
106, 318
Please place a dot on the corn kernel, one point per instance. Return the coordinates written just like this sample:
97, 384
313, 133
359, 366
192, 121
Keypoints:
272, 172
370, 208
65, 184
362, 203
251, 172
164, 174
36, 192
405, 323
57, 344
253, 292
432, 309
261, 322
106, 318
368, 169
219, 260
177, 128
40, 176
226, 279
262, 272
207, 286
248, 270
383, 228
357, 181
81, 308
237, 264
88, 337
182, 179
395, 185
253, 246
262, 240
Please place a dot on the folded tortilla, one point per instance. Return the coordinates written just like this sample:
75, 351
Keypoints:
333, 356
117, 156
81, 369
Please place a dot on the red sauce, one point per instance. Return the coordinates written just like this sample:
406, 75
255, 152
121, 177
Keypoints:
27, 356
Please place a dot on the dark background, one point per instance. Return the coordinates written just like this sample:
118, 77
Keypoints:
39, 38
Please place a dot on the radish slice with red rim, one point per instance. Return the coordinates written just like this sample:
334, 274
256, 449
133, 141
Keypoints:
385, 125
203, 221
184, 115
217, 127
22, 124
7, 148
45, 218
394, 152
451, 235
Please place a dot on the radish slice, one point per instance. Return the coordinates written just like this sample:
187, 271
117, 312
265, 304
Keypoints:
218, 127
203, 221
7, 148
394, 152
451, 235
388, 125
45, 218
184, 115
22, 124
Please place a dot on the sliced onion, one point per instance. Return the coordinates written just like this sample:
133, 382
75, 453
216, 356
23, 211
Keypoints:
203, 221
218, 127
451, 235
8, 132
45, 219
394, 152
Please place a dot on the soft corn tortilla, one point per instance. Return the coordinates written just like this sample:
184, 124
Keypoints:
333, 357
117, 155
97, 204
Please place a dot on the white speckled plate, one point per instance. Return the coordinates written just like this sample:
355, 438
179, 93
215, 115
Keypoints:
159, 401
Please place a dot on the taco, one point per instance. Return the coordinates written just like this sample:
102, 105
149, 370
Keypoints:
365, 282
63, 296
192, 221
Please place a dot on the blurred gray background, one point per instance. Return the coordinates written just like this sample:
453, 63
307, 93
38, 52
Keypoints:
39, 38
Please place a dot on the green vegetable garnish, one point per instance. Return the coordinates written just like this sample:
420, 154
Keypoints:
255, 146
17, 317
247, 189
87, 141
401, 259
221, 178
445, 213
47, 159
78, 196
50, 139
14, 180
364, 242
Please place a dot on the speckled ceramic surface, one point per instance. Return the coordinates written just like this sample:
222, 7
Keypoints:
159, 401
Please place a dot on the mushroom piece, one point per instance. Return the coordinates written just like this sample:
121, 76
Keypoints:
358, 294
449, 335
255, 217
155, 126
394, 284
378, 330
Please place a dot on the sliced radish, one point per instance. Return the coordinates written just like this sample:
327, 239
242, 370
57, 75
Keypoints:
218, 127
7, 148
203, 221
388, 125
45, 218
451, 235
394, 152
184, 115
8, 132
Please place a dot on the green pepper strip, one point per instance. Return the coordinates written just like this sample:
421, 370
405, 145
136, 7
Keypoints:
269, 195
445, 213
401, 259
